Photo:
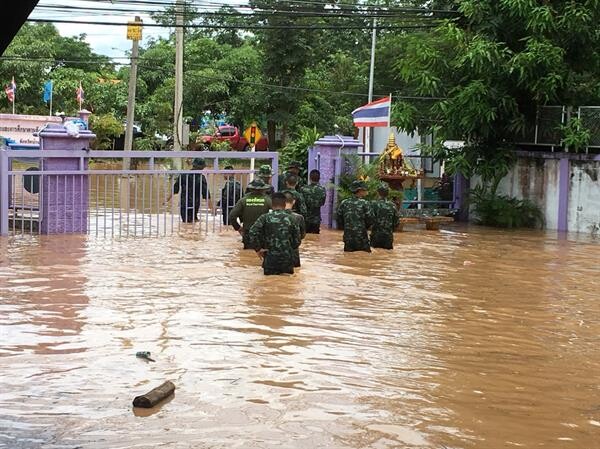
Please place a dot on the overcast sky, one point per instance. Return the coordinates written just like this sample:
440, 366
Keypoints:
104, 39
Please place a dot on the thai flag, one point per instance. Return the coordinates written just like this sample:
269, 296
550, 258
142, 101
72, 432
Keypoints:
11, 90
80, 93
374, 114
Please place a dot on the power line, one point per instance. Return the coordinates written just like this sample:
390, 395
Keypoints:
241, 26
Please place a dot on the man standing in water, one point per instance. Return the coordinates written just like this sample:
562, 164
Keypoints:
291, 187
249, 208
293, 168
231, 193
385, 219
275, 237
355, 217
314, 196
191, 187
299, 219
265, 174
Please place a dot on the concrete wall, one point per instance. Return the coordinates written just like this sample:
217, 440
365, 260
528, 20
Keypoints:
538, 177
584, 197
536, 180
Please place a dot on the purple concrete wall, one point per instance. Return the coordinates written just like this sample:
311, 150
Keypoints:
325, 156
64, 198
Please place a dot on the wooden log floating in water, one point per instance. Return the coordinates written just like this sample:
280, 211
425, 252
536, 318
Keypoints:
154, 396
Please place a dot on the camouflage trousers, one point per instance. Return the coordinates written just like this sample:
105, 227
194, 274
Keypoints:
297, 258
313, 226
383, 240
275, 263
356, 242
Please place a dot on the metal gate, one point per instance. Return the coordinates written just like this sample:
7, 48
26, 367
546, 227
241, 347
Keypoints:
91, 193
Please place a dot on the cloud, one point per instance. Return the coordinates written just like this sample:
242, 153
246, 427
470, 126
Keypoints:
109, 40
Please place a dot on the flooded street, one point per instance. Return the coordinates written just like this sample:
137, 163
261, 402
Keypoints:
467, 338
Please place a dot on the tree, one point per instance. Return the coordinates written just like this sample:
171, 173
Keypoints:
487, 71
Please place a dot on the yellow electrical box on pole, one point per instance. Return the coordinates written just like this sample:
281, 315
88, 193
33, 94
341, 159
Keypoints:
134, 31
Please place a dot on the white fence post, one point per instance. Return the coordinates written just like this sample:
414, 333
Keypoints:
3, 192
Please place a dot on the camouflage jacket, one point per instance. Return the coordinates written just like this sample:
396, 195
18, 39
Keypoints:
314, 197
300, 222
283, 177
354, 215
276, 232
300, 205
248, 209
385, 216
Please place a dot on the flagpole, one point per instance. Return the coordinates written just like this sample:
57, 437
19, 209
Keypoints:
390, 113
371, 78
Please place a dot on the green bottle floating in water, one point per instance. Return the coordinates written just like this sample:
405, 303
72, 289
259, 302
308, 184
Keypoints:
144, 355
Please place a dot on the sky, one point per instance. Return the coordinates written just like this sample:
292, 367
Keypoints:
104, 39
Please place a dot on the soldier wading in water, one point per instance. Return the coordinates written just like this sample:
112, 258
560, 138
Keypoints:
275, 236
355, 217
385, 219
249, 208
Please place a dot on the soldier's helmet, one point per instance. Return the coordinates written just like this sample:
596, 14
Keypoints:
383, 187
258, 185
199, 163
358, 185
265, 171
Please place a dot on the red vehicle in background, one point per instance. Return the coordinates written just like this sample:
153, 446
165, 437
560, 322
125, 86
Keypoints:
235, 138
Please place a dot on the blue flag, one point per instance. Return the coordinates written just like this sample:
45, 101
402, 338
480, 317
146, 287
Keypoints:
48, 91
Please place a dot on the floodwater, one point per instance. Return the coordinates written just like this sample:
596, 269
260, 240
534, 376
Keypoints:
467, 338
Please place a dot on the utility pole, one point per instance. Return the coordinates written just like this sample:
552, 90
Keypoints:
371, 76
178, 104
134, 33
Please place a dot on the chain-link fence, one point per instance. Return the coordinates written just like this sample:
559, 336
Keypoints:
590, 119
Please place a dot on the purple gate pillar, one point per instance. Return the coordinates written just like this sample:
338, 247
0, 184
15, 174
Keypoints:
326, 156
64, 197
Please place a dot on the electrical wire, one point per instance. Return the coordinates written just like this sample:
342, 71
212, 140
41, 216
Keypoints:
243, 26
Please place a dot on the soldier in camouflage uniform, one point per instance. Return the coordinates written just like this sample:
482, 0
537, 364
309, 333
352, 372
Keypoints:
314, 195
249, 208
299, 219
265, 174
275, 236
291, 187
355, 217
385, 219
293, 168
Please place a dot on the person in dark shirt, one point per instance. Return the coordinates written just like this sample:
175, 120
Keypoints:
191, 187
231, 193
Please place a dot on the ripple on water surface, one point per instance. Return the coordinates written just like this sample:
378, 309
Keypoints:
461, 339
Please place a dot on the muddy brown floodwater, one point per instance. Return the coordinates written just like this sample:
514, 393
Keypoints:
468, 338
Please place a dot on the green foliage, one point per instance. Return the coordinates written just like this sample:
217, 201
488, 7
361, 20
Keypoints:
223, 145
106, 127
148, 143
368, 172
505, 212
489, 70
297, 149
576, 137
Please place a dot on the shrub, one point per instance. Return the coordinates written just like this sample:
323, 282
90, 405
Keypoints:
297, 149
505, 212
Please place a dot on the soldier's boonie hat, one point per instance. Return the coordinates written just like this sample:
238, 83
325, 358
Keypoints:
228, 167
199, 162
358, 185
265, 170
294, 164
383, 187
257, 184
